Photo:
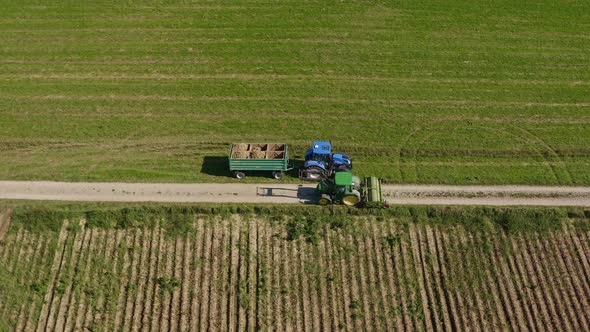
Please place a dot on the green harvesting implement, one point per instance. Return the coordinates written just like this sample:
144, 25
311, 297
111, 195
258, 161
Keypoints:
349, 190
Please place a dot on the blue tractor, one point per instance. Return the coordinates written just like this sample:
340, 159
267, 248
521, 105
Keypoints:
321, 163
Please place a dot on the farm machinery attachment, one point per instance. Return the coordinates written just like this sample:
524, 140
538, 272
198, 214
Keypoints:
349, 190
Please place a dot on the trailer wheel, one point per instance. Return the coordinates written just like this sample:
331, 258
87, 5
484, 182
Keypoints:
325, 200
239, 175
277, 175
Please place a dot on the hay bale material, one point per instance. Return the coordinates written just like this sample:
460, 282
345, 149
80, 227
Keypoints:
241, 147
257, 155
274, 155
276, 147
241, 155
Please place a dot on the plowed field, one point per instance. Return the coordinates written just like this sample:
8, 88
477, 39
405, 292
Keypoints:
236, 273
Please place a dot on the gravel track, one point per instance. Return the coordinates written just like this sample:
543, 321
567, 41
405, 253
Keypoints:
289, 193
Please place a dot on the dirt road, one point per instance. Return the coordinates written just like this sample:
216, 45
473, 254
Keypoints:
289, 193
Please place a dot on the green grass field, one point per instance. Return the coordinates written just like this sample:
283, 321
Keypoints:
416, 91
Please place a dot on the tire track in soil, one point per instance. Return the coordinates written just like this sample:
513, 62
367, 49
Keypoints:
266, 299
574, 285
86, 274
307, 307
215, 262
198, 245
205, 278
577, 263
523, 292
11, 260
244, 276
472, 270
494, 305
395, 260
578, 254
437, 280
175, 304
54, 274
99, 310
76, 258
159, 292
381, 315
298, 290
34, 274
538, 279
584, 240
505, 288
453, 250
481, 291
5, 221
582, 252
184, 304
252, 273
322, 304
291, 303
124, 277
427, 266
370, 316
279, 274
349, 281
409, 275
403, 268
502, 322
455, 312
340, 292
384, 274
53, 304
141, 242
225, 273
88, 323
562, 303
167, 293
17, 316
532, 284
524, 284
8, 310
450, 254
334, 315
114, 281
143, 319
233, 278
144, 267
421, 274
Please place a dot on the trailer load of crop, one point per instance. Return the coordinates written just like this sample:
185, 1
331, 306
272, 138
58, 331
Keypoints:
244, 157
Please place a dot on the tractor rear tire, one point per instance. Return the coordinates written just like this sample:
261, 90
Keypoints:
325, 200
343, 168
314, 173
239, 175
277, 175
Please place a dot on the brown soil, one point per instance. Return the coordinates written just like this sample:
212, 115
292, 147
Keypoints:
5, 219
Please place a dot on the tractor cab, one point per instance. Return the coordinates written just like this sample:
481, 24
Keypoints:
321, 163
342, 189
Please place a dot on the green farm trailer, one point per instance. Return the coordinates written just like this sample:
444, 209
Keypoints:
272, 157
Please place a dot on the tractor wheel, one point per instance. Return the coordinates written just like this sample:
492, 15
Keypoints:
325, 200
343, 168
239, 175
277, 175
351, 200
314, 174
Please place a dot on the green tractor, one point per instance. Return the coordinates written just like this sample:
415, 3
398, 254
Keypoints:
348, 190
